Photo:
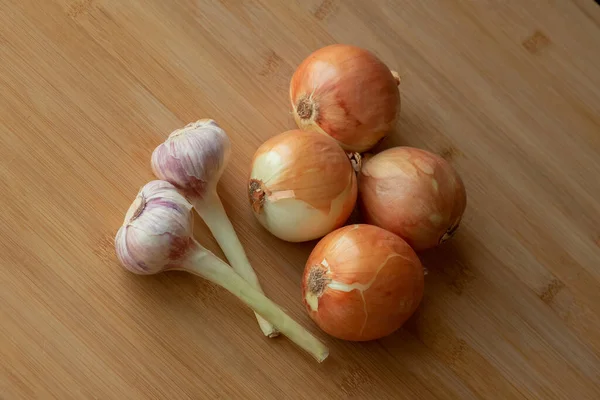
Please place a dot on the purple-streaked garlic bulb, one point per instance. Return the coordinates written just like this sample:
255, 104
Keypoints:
157, 236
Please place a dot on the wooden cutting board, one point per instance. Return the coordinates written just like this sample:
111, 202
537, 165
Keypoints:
508, 91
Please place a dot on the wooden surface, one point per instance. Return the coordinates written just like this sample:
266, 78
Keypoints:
508, 91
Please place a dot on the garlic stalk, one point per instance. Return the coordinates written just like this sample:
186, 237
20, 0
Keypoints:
193, 159
156, 236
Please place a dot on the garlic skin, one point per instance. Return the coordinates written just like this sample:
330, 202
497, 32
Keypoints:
157, 229
193, 158
302, 185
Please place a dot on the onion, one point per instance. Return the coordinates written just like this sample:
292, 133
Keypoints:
414, 194
347, 93
362, 282
302, 185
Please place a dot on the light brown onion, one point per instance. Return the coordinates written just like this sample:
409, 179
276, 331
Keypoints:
348, 93
412, 193
362, 283
302, 185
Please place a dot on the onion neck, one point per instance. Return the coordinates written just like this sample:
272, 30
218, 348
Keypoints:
203, 263
211, 210
450, 232
396, 77
356, 160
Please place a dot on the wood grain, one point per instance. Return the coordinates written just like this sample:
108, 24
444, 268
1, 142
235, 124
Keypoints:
508, 91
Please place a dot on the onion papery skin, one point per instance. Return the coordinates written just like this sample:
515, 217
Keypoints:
413, 193
362, 283
302, 185
347, 93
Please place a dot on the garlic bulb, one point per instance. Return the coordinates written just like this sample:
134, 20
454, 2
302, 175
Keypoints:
161, 238
302, 185
156, 236
193, 159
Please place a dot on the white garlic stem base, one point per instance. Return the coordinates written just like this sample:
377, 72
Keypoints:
203, 263
211, 210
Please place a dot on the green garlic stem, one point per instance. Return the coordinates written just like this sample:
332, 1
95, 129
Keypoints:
203, 263
213, 213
